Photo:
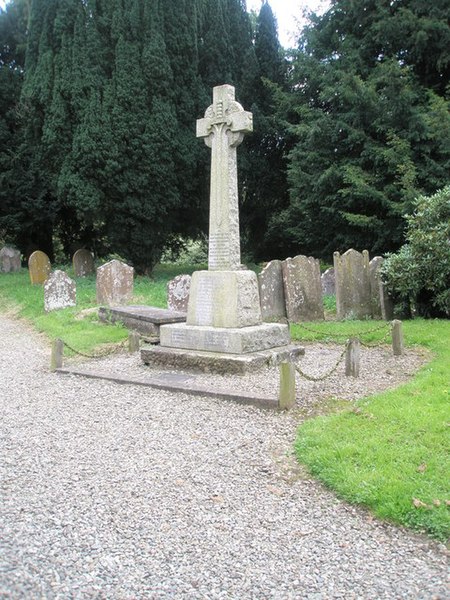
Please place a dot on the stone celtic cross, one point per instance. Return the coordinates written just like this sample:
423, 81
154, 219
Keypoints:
223, 129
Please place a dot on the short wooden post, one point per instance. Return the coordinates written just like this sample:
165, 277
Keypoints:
286, 398
352, 358
134, 341
397, 337
56, 360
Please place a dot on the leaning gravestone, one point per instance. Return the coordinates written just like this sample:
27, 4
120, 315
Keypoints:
9, 260
353, 297
271, 292
83, 263
39, 267
59, 291
303, 289
178, 290
114, 283
382, 305
328, 282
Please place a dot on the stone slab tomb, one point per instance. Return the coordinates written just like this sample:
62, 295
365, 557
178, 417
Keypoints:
353, 295
224, 313
39, 267
114, 283
271, 292
9, 260
59, 291
147, 320
178, 290
303, 289
83, 263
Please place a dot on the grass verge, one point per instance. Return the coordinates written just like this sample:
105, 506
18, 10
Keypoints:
79, 326
390, 453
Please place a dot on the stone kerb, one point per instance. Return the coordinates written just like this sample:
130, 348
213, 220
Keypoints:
271, 292
39, 267
83, 263
178, 290
59, 291
353, 296
114, 283
303, 289
9, 260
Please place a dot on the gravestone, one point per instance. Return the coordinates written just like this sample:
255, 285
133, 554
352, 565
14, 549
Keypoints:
178, 290
9, 260
353, 296
59, 291
114, 283
224, 313
303, 289
328, 282
83, 263
39, 267
376, 285
271, 292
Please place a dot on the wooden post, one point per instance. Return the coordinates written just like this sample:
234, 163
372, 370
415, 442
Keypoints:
286, 398
352, 356
56, 359
134, 341
397, 338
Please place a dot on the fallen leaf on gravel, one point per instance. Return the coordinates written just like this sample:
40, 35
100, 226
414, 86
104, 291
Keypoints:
418, 503
217, 498
422, 468
275, 490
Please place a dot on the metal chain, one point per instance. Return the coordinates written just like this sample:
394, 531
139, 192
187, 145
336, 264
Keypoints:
376, 344
329, 373
99, 355
344, 335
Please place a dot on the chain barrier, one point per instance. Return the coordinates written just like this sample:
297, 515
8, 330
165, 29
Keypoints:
345, 335
100, 354
377, 344
328, 373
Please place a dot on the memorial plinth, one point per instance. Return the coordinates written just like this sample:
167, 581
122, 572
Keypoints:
224, 313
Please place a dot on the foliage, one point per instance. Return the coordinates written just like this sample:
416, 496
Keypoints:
371, 122
389, 453
419, 273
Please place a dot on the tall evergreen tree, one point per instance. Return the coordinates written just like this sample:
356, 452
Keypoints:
371, 123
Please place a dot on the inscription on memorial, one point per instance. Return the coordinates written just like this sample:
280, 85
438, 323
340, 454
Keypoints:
219, 250
178, 337
204, 306
215, 340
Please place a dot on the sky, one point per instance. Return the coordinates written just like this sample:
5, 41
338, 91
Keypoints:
289, 15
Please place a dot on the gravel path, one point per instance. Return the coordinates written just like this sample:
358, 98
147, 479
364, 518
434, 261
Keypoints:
124, 492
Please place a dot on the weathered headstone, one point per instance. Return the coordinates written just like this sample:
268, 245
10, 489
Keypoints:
178, 290
114, 283
353, 298
303, 289
328, 282
59, 291
83, 263
224, 313
376, 285
9, 260
39, 267
271, 292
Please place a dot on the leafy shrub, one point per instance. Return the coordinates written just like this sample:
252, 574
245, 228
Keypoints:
418, 274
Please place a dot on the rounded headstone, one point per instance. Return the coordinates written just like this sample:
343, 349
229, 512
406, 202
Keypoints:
83, 263
39, 267
9, 260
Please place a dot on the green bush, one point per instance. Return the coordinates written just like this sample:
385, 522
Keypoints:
418, 275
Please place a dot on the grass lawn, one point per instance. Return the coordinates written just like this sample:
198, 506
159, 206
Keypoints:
390, 454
